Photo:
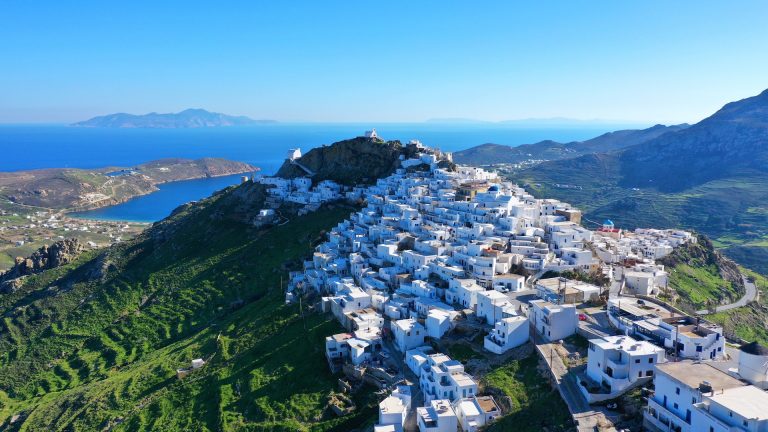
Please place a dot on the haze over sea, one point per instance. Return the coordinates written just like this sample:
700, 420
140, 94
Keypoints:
24, 147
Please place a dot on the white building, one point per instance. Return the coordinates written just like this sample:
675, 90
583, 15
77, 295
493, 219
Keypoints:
508, 282
476, 412
679, 389
689, 337
416, 358
618, 362
438, 416
443, 378
293, 154
408, 334
734, 409
508, 333
394, 409
439, 322
492, 306
463, 292
753, 364
553, 322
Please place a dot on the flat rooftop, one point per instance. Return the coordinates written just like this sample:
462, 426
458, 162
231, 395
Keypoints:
693, 373
626, 344
747, 401
487, 404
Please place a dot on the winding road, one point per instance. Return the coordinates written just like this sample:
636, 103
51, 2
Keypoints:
749, 296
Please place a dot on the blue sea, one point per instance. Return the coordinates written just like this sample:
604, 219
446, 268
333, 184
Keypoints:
24, 147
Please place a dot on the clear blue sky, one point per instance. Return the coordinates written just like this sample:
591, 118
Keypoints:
646, 61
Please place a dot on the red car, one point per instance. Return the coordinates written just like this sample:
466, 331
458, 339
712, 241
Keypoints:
582, 317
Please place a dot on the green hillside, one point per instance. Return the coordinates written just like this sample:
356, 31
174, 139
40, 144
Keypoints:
710, 177
95, 345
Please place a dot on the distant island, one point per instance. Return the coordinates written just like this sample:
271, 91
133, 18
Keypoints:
189, 118
80, 189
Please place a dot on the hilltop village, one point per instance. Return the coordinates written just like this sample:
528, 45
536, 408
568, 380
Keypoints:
436, 250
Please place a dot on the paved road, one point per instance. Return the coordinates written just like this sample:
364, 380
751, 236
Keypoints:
417, 398
749, 296
586, 416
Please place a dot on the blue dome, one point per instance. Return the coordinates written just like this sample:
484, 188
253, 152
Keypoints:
493, 188
608, 222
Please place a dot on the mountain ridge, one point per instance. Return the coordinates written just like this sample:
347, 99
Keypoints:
489, 153
711, 177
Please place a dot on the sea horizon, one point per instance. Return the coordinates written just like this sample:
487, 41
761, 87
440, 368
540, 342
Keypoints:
64, 146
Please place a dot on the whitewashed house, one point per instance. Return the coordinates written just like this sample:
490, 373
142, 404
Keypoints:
553, 322
493, 306
438, 416
444, 378
408, 334
394, 409
475, 412
618, 362
507, 333
680, 387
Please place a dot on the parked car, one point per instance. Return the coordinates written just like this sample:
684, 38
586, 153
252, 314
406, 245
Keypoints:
582, 317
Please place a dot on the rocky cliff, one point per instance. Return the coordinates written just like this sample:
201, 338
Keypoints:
47, 257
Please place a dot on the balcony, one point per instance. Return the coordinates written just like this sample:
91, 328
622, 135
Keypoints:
620, 369
663, 419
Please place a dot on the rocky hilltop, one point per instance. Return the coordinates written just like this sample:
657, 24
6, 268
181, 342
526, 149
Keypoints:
64, 188
355, 161
47, 257
189, 118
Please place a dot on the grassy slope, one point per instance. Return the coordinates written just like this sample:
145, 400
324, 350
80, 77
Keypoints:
84, 354
701, 277
750, 322
534, 404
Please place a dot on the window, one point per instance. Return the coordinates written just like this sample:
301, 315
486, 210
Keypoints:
637, 360
649, 373
693, 401
650, 360
639, 374
675, 405
699, 348
677, 390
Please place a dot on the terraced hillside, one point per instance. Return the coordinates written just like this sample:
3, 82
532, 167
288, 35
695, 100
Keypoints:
95, 344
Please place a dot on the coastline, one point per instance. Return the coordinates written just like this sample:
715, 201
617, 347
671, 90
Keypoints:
117, 201
151, 207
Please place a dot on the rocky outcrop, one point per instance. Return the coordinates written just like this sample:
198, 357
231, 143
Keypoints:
47, 257
703, 253
355, 161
